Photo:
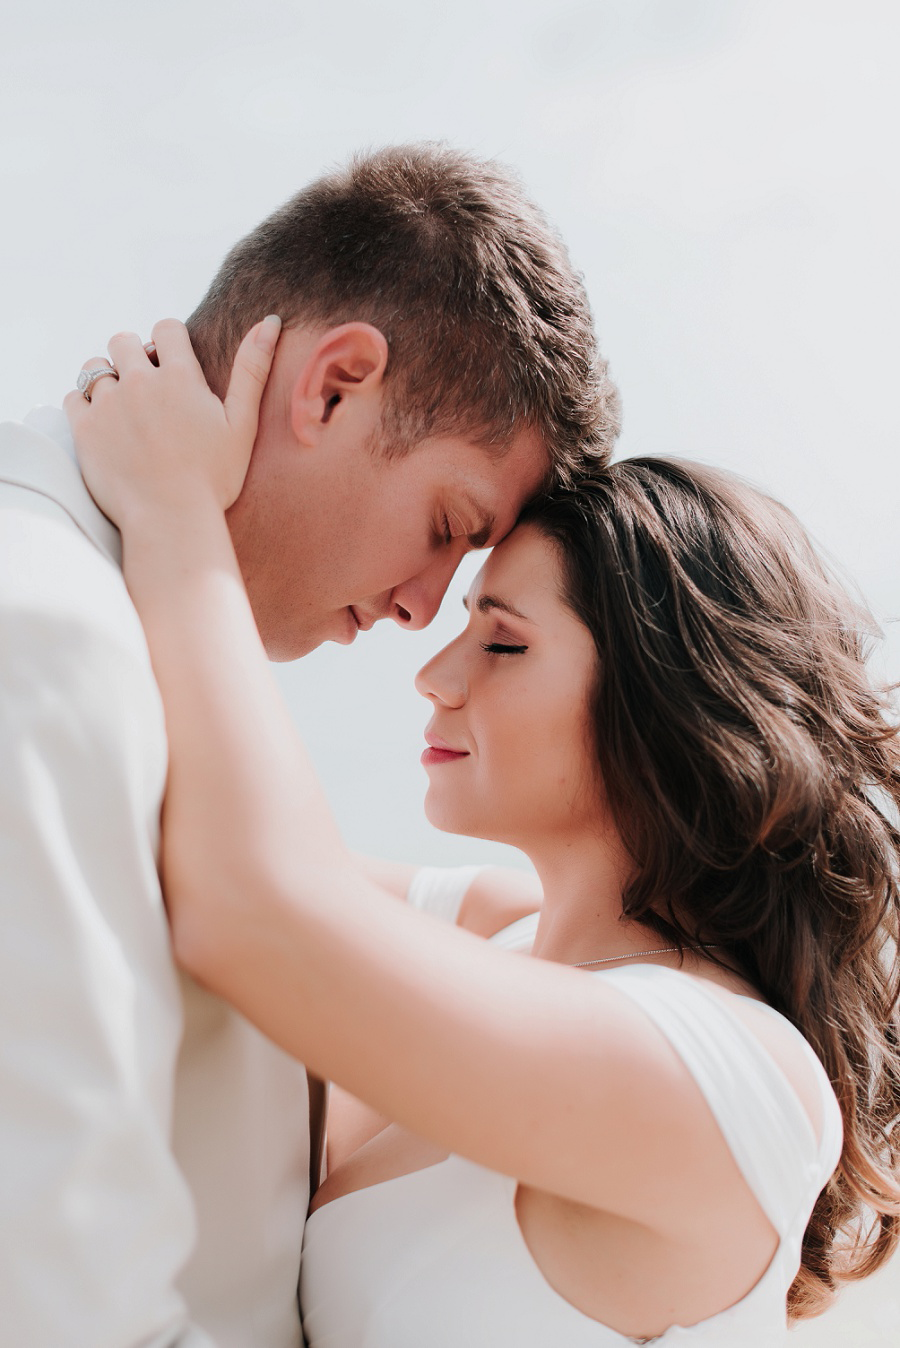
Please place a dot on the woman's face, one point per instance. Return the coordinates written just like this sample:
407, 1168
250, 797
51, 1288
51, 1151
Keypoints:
511, 753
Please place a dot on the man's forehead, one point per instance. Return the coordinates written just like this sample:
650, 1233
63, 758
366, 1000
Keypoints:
497, 500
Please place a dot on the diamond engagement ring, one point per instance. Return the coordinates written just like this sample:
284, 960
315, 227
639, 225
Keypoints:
86, 380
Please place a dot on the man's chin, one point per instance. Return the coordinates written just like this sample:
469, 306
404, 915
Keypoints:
282, 647
282, 650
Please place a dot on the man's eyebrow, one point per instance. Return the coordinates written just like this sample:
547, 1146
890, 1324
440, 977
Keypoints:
488, 522
485, 603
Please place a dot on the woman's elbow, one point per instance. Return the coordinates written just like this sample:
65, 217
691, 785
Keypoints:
195, 942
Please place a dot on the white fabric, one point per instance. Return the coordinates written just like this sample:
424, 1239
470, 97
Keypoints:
519, 935
440, 890
50, 421
136, 1111
436, 1257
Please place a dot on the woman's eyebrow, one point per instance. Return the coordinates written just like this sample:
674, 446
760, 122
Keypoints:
486, 602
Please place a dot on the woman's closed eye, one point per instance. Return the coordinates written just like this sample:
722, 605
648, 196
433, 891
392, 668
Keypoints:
502, 648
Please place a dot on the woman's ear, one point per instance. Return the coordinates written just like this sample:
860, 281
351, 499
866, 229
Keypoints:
347, 362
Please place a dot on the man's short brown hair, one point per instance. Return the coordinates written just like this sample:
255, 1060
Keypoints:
488, 326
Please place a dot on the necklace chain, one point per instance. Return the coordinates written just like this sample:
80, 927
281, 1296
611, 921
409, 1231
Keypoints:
641, 954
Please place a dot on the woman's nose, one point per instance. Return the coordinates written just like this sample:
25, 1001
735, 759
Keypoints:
442, 679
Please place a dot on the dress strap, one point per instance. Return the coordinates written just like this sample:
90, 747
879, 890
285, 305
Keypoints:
759, 1113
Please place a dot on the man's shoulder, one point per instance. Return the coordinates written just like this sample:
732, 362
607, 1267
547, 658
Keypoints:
48, 563
64, 607
38, 465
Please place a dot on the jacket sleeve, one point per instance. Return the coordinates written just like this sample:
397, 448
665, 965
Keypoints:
95, 1218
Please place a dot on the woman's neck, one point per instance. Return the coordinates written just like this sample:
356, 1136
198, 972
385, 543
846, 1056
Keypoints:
581, 917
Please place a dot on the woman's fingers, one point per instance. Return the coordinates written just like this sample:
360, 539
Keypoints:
164, 439
94, 373
127, 352
172, 342
76, 407
249, 374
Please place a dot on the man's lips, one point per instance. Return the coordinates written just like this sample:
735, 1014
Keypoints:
363, 622
439, 751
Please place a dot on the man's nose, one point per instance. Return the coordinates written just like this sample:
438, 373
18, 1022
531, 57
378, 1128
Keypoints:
415, 602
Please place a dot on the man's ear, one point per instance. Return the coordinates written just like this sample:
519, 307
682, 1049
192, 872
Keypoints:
347, 362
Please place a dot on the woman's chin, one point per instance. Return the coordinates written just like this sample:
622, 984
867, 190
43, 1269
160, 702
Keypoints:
441, 815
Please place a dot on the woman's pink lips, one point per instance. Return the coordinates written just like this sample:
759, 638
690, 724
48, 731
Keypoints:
439, 751
431, 757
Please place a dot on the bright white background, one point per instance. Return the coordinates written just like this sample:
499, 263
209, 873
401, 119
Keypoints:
723, 170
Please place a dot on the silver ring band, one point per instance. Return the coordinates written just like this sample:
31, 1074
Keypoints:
87, 378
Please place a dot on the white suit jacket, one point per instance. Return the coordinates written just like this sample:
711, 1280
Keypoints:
153, 1145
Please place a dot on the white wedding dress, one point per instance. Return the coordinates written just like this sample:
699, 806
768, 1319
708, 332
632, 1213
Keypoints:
435, 1259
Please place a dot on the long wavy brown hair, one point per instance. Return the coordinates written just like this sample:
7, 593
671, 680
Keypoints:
753, 771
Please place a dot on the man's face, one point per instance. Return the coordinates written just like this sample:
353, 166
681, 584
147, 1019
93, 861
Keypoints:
330, 541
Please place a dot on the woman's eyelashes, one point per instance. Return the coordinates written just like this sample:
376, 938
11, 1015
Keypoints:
502, 648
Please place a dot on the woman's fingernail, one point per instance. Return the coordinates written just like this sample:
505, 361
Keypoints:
268, 332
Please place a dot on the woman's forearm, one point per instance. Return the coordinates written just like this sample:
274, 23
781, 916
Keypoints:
240, 785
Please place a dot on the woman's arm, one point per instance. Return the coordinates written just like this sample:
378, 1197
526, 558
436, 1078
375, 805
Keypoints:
531, 1069
394, 877
494, 897
491, 900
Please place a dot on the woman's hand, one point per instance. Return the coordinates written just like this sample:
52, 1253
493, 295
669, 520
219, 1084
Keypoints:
157, 439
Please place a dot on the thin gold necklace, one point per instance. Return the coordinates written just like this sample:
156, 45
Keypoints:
642, 954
